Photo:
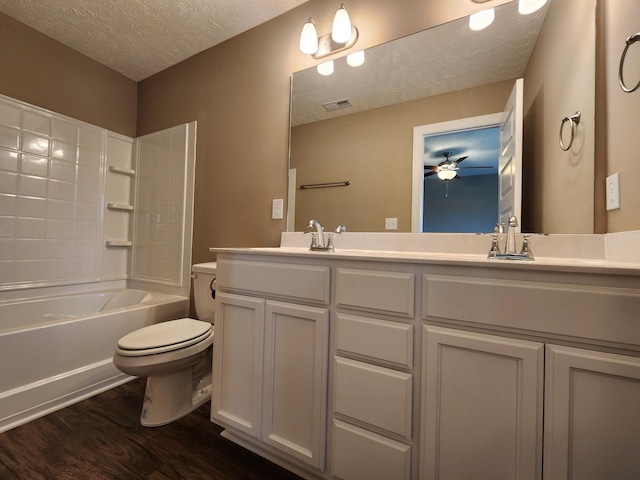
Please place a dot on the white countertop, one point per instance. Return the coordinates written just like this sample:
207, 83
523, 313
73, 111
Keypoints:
605, 254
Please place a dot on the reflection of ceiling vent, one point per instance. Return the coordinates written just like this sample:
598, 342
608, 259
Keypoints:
337, 104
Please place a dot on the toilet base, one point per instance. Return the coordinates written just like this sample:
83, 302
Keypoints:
173, 396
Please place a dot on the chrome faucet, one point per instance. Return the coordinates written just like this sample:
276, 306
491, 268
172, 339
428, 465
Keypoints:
510, 252
319, 237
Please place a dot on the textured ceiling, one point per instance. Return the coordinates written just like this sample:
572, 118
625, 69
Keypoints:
443, 59
141, 37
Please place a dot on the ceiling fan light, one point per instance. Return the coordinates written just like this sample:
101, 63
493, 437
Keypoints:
481, 20
355, 59
309, 38
325, 68
525, 7
446, 174
341, 30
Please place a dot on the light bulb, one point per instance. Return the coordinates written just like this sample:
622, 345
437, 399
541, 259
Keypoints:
482, 19
325, 68
525, 7
309, 38
446, 174
355, 59
341, 30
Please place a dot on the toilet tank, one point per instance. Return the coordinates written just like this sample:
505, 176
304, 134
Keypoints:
204, 275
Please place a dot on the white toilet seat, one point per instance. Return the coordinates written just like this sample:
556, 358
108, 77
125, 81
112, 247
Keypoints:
164, 337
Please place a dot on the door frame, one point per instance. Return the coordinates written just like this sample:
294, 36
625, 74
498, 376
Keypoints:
419, 132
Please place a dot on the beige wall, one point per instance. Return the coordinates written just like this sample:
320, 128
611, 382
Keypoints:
374, 151
558, 186
43, 72
239, 94
623, 112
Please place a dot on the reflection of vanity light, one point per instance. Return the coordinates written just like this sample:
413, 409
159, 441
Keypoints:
482, 19
325, 68
355, 59
446, 174
526, 7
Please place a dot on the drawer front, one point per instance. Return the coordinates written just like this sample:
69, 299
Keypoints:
595, 314
359, 454
295, 282
375, 395
391, 293
379, 339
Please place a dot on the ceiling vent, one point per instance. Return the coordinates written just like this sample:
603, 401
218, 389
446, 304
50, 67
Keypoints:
337, 104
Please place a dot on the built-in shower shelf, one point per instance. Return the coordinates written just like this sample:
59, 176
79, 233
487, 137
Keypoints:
120, 206
122, 170
118, 243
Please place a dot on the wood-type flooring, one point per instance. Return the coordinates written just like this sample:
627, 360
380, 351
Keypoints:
101, 438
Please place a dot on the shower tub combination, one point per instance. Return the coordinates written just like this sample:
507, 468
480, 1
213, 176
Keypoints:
55, 351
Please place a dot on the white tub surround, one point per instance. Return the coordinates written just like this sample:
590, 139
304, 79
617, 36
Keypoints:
378, 360
83, 209
57, 350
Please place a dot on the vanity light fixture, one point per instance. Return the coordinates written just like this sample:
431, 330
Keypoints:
525, 7
481, 20
343, 35
341, 30
309, 38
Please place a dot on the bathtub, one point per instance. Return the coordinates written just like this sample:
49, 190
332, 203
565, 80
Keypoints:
57, 350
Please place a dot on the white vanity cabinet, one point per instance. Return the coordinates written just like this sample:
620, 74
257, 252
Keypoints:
481, 406
592, 415
348, 368
372, 431
493, 370
271, 358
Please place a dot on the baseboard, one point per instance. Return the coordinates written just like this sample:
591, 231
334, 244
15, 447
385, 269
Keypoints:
28, 402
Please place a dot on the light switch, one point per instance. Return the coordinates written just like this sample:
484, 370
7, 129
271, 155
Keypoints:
390, 223
613, 191
277, 205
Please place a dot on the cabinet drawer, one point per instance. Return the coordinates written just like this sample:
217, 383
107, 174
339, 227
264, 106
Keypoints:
591, 313
375, 395
298, 282
391, 293
359, 454
379, 339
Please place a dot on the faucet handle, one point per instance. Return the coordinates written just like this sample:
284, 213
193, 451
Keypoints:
526, 248
341, 228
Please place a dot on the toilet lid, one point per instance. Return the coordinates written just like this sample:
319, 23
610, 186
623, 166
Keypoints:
165, 336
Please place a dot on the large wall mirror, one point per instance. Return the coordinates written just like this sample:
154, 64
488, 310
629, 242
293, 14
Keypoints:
354, 129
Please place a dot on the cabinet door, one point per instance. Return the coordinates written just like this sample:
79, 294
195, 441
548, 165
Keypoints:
237, 362
592, 415
295, 380
481, 406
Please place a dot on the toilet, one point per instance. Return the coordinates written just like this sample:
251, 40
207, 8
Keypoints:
174, 356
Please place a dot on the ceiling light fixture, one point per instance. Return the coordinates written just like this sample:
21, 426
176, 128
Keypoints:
525, 7
481, 20
343, 35
446, 174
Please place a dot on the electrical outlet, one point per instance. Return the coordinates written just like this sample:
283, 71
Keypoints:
613, 191
277, 205
391, 223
